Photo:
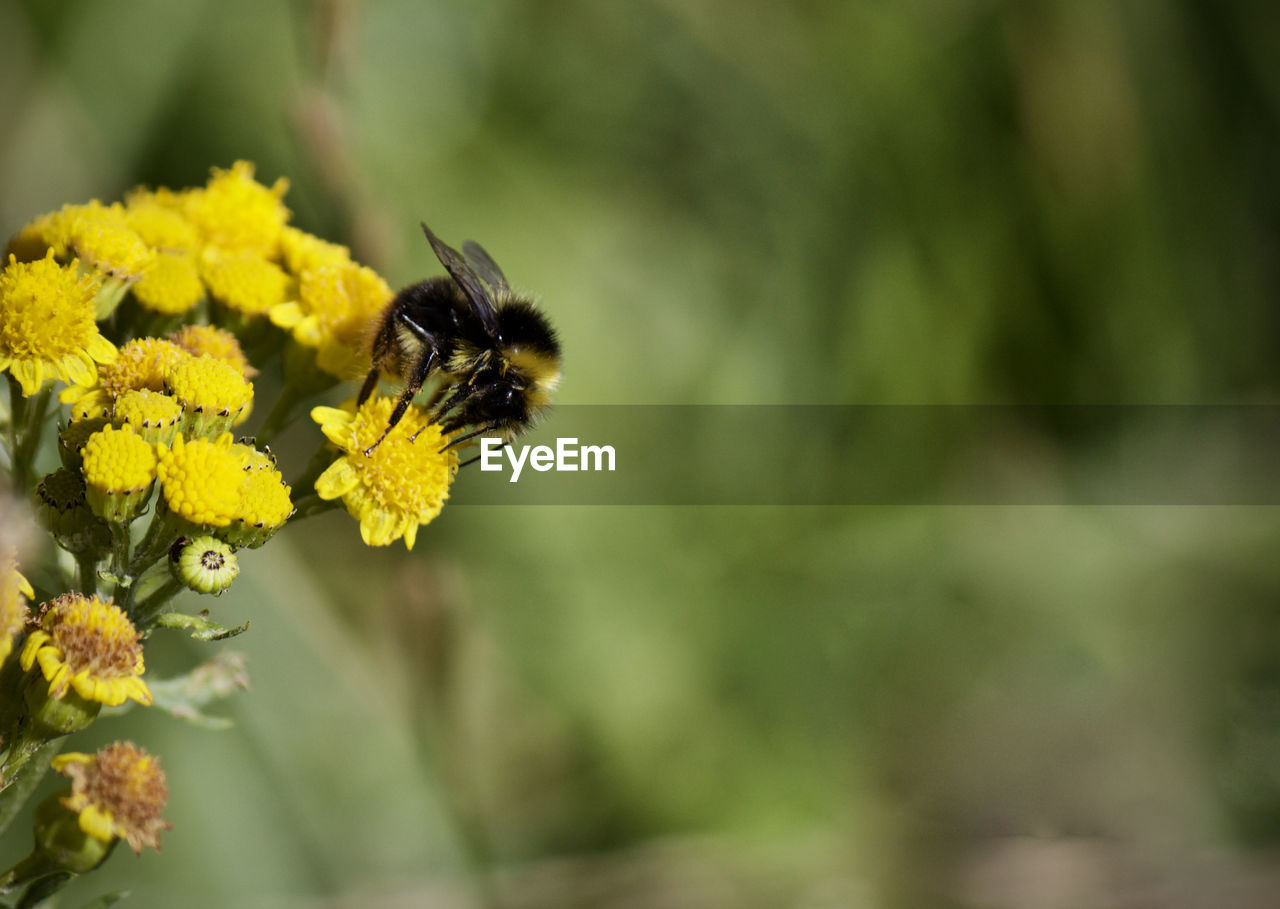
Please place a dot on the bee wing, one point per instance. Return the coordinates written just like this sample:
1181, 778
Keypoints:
463, 273
484, 265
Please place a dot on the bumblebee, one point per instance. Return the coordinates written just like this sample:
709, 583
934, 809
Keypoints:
496, 356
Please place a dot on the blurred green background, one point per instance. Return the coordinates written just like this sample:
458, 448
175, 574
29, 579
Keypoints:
819, 202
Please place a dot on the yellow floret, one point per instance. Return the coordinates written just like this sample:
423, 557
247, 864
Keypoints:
157, 218
47, 327
243, 280
234, 211
100, 236
216, 342
201, 480
118, 461
172, 286
302, 250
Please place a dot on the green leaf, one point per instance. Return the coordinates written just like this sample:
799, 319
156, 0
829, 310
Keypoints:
200, 626
185, 696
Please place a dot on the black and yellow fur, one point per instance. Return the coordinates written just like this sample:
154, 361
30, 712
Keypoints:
495, 355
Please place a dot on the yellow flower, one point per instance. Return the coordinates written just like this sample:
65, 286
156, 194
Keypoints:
212, 392
47, 327
118, 793
35, 238
14, 590
100, 236
142, 363
152, 415
302, 250
89, 646
157, 218
216, 342
172, 286
243, 280
235, 211
265, 505
119, 468
401, 485
201, 480
337, 302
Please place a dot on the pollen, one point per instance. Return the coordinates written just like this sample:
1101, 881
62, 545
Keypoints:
119, 792
88, 645
216, 342
47, 327
243, 280
201, 480
401, 485
172, 286
118, 461
235, 211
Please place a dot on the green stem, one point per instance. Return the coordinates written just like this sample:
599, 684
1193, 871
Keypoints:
281, 414
17, 418
27, 436
30, 869
148, 609
23, 770
87, 573
155, 542
311, 505
120, 559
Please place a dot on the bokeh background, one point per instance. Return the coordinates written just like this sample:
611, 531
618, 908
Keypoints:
946, 202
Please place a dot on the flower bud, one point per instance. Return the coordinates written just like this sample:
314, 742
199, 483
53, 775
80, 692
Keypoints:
204, 564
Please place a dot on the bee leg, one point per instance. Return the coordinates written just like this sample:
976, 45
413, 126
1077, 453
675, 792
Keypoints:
488, 427
367, 388
420, 373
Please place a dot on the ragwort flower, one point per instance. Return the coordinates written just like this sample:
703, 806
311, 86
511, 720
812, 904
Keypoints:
47, 327
242, 280
213, 393
234, 211
172, 286
216, 342
119, 468
141, 363
118, 793
265, 505
201, 480
14, 591
89, 646
336, 303
401, 485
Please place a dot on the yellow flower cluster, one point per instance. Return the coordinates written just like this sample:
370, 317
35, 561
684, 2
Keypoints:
229, 241
150, 311
230, 488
